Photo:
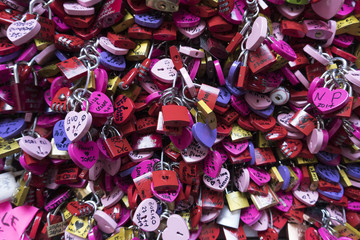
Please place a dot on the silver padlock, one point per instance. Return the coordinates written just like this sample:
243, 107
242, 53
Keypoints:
229, 219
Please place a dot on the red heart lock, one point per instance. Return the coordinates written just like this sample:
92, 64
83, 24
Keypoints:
264, 156
262, 124
209, 231
189, 173
195, 216
311, 234
291, 147
279, 219
276, 134
121, 41
124, 109
7, 47
295, 215
212, 199
329, 186
244, 122
353, 193
258, 190
223, 129
269, 234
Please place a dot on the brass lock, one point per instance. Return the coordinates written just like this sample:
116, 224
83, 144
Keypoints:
22, 191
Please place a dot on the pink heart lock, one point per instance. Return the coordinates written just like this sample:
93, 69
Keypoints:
242, 179
145, 216
20, 32
108, 46
185, 19
193, 32
105, 223
262, 224
208, 215
286, 200
284, 120
100, 105
235, 149
84, 154
212, 164
326, 235
112, 198
77, 124
327, 8
195, 152
353, 206
103, 154
164, 70
166, 196
220, 182
290, 11
250, 215
101, 77
176, 229
307, 197
336, 213
258, 33
184, 140
257, 100
111, 167
259, 176
95, 170
38, 148
75, 9
143, 167
139, 156
328, 101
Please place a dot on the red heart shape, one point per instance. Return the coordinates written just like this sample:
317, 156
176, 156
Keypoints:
269, 234
291, 147
276, 134
209, 231
262, 124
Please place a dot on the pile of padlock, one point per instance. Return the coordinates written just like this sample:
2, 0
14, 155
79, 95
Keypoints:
179, 119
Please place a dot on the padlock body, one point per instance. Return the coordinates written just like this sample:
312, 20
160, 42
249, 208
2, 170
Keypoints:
165, 180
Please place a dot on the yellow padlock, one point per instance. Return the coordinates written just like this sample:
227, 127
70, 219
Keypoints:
207, 114
9, 147
239, 134
347, 24
125, 23
112, 85
79, 226
140, 52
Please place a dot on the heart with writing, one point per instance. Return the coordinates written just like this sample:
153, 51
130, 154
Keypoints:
184, 140
145, 216
84, 154
307, 197
261, 224
242, 179
328, 101
164, 70
124, 109
142, 168
327, 173
333, 195
195, 152
176, 229
20, 32
250, 215
286, 200
259, 176
235, 148
38, 148
99, 105
220, 182
212, 164
209, 231
61, 140
10, 128
327, 8
209, 215
77, 124
193, 32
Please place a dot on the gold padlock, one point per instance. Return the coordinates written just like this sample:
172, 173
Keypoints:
92, 82
79, 226
261, 140
163, 5
22, 191
208, 114
140, 52
279, 63
56, 229
239, 134
344, 179
346, 230
276, 181
112, 85
345, 25
314, 179
56, 153
9, 147
264, 202
306, 161
41, 45
125, 23
236, 200
48, 71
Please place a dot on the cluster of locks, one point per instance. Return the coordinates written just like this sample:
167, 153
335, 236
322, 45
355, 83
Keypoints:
179, 119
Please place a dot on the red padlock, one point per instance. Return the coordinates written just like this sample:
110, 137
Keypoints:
116, 146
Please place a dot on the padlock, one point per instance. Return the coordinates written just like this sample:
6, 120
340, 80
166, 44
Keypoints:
163, 5
229, 218
57, 228
116, 145
236, 200
303, 121
164, 180
79, 227
22, 191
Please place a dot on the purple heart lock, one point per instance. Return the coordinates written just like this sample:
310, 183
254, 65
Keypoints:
203, 134
233, 73
223, 97
327, 173
333, 195
10, 128
111, 61
151, 19
62, 142
329, 158
9, 57
285, 174
353, 171
252, 153
234, 90
265, 113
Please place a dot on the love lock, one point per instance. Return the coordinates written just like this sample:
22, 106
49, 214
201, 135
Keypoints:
116, 146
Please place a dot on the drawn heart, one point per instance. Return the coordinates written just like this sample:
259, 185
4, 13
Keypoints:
307, 197
286, 200
100, 105
220, 182
77, 124
250, 215
204, 134
327, 8
259, 176
176, 229
195, 152
10, 128
328, 101
84, 154
145, 216
38, 148
328, 173
78, 225
235, 148
268, 234
21, 32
